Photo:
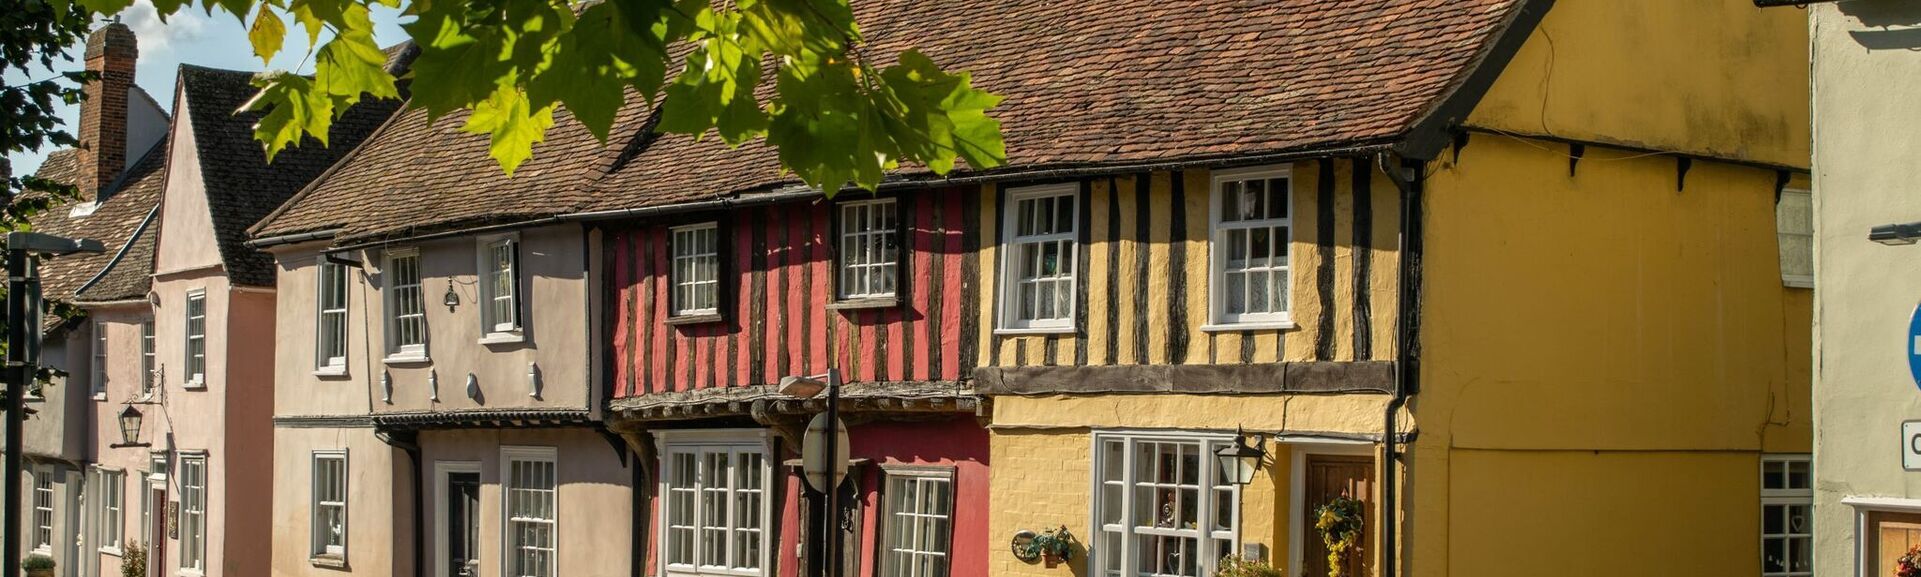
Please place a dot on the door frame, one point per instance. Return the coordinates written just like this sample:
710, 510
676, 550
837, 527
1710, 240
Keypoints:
441, 471
1297, 487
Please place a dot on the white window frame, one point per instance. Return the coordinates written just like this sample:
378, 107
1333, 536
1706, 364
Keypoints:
44, 510
1011, 283
98, 374
319, 549
1205, 536
325, 363
893, 518
110, 508
1787, 496
704, 442
1218, 315
863, 249
494, 329
145, 486
195, 380
510, 454
681, 289
394, 300
193, 513
149, 356
1783, 233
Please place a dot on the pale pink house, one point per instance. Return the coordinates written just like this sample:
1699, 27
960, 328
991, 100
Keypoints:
179, 326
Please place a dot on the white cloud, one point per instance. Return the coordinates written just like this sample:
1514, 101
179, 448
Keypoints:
159, 38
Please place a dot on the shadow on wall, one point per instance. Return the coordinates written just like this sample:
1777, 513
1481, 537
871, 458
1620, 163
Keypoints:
1898, 23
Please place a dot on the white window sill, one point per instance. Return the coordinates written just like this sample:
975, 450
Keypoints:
1249, 326
1796, 282
192, 573
114, 551
502, 338
333, 371
99, 396
1067, 330
195, 384
408, 359
328, 560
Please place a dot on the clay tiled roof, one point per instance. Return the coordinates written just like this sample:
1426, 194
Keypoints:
114, 223
241, 185
1087, 84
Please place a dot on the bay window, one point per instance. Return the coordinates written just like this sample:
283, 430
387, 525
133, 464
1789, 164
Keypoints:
1252, 217
1165, 508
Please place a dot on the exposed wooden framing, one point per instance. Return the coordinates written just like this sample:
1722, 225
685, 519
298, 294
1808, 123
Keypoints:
1294, 377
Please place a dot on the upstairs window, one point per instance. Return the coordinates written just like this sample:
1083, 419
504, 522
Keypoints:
500, 285
99, 369
1252, 225
696, 273
869, 249
196, 339
406, 309
332, 355
147, 364
1037, 275
1794, 229
1787, 516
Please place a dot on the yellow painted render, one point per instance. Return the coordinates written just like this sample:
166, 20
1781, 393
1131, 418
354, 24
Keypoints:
1605, 360
1276, 414
1711, 77
1151, 309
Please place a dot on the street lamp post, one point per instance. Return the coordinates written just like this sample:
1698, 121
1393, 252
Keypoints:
808, 387
23, 354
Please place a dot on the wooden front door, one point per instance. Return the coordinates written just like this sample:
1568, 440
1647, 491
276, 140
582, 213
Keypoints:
1891, 536
1327, 477
463, 524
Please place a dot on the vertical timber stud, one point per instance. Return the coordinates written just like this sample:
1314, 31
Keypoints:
1681, 166
1324, 247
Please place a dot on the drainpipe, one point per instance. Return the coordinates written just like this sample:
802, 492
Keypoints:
1407, 361
409, 441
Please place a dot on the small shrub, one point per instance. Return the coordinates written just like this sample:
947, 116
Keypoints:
37, 562
133, 561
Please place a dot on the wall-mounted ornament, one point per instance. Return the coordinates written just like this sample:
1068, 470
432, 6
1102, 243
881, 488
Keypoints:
433, 385
533, 379
386, 387
1053, 546
473, 387
451, 298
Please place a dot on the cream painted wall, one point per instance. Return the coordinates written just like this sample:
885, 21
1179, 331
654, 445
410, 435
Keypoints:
594, 516
186, 227
1867, 77
379, 514
554, 300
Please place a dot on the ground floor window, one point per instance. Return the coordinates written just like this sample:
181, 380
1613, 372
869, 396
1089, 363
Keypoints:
918, 521
43, 509
110, 498
193, 512
329, 532
1165, 508
1787, 516
531, 484
717, 506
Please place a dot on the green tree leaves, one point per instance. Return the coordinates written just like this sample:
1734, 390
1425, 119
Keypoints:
834, 116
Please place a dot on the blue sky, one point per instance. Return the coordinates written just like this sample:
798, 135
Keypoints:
191, 36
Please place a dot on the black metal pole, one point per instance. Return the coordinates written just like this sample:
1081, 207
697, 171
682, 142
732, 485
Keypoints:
19, 373
832, 557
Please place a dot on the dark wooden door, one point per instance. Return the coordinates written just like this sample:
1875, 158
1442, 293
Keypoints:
1327, 477
463, 524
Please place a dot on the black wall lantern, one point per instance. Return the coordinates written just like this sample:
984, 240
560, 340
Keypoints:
130, 420
1240, 460
450, 299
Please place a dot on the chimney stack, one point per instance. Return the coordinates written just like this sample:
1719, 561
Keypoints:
111, 52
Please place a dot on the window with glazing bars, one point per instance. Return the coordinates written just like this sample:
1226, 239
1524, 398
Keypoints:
329, 504
110, 495
869, 248
716, 496
919, 523
1165, 508
333, 316
1037, 286
99, 375
696, 269
43, 509
196, 338
1252, 225
530, 515
1787, 516
406, 311
502, 291
147, 364
193, 513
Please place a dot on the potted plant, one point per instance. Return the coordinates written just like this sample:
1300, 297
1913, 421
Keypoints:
1238, 566
133, 561
37, 565
1339, 522
1054, 546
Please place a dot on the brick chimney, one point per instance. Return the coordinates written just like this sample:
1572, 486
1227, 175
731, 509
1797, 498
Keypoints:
111, 52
